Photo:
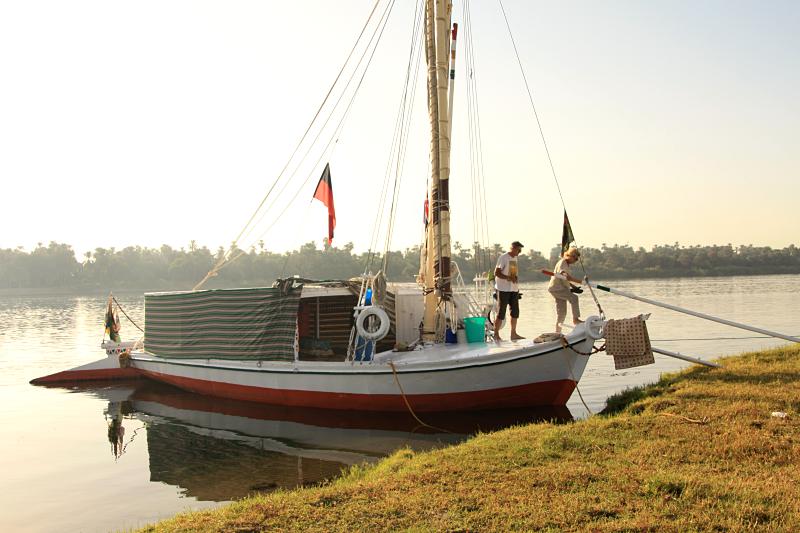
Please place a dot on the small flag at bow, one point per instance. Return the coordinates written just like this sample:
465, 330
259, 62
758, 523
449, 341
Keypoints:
567, 237
112, 321
324, 193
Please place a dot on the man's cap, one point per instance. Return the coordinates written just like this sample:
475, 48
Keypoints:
517, 244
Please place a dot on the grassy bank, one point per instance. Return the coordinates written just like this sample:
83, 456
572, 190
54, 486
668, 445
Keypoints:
700, 450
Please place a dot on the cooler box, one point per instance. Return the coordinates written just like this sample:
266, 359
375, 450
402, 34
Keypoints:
475, 327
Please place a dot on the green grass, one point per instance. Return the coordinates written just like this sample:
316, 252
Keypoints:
699, 450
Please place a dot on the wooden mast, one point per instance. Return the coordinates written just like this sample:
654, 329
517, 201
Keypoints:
443, 39
437, 268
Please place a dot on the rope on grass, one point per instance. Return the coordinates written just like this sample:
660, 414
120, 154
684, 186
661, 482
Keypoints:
704, 420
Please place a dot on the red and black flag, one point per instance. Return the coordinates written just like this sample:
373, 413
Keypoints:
324, 193
567, 237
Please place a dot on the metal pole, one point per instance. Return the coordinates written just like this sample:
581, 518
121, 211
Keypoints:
686, 358
695, 313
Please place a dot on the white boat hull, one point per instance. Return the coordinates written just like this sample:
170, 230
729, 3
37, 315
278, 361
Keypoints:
436, 378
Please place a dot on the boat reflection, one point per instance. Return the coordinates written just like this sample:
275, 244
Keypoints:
218, 450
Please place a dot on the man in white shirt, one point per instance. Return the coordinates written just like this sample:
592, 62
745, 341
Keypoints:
506, 284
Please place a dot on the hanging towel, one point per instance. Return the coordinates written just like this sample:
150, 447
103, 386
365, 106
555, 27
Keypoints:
627, 340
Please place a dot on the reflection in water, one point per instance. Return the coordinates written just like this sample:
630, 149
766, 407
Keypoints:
219, 450
116, 431
116, 413
215, 467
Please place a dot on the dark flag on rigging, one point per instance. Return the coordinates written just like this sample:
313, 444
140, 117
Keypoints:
566, 234
324, 193
112, 321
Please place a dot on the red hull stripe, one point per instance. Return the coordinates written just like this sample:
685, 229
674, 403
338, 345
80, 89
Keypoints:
89, 375
548, 393
460, 422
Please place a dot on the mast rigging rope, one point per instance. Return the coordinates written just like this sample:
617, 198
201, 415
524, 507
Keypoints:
337, 131
340, 125
316, 115
225, 257
533, 106
126, 314
404, 124
476, 148
544, 143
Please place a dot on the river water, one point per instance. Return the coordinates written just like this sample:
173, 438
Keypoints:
100, 457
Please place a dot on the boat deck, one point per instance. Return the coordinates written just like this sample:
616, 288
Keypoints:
472, 351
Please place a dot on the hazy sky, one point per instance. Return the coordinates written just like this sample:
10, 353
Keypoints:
151, 122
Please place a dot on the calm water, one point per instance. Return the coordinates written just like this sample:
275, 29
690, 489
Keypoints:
104, 458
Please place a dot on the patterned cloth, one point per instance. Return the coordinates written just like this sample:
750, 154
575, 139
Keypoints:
628, 341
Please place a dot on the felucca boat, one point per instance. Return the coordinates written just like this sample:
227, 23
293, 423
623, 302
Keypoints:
357, 345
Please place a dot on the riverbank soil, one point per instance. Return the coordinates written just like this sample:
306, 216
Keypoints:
705, 449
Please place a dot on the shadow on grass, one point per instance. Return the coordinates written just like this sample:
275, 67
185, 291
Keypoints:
623, 400
756, 368
749, 378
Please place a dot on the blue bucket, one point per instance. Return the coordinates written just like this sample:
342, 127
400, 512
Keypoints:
475, 327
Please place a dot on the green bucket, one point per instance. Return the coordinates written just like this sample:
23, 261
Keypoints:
475, 327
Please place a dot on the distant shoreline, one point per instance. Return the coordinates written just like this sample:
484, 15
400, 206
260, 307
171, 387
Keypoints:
139, 269
62, 291
126, 290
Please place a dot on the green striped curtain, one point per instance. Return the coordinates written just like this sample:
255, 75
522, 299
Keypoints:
254, 323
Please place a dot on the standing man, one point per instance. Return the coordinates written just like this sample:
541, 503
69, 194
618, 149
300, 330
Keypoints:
561, 289
506, 284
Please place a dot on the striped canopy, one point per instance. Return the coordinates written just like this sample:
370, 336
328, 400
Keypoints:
254, 323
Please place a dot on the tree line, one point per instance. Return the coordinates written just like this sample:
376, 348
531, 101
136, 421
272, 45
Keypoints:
135, 267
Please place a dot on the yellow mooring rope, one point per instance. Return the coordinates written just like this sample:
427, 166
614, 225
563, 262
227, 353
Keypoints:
408, 405
566, 344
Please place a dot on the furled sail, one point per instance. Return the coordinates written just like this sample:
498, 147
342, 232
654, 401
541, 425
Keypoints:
437, 269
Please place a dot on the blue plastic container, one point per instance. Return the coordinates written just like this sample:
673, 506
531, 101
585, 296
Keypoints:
450, 336
475, 327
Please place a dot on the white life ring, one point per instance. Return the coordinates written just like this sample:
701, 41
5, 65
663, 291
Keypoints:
383, 326
594, 327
